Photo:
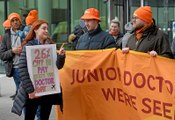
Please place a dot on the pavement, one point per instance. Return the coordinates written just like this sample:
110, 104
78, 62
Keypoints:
7, 88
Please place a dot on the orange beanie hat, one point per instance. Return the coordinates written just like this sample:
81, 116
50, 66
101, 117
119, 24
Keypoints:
32, 17
6, 24
91, 13
14, 15
144, 13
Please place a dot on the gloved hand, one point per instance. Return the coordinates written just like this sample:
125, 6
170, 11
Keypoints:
71, 37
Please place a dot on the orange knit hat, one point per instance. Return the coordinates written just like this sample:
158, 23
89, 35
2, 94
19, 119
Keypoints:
91, 13
6, 24
14, 15
32, 17
144, 13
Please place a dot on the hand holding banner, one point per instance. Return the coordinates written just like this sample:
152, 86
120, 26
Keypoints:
110, 85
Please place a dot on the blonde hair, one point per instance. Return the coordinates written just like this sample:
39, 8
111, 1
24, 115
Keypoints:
116, 20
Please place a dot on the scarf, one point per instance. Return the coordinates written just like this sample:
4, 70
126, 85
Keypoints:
139, 32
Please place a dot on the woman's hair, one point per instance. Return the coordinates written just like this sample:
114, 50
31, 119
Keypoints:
31, 35
116, 22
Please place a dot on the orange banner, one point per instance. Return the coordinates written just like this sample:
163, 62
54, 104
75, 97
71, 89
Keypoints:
110, 85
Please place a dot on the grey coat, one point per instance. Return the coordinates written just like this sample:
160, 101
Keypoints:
129, 31
6, 53
26, 86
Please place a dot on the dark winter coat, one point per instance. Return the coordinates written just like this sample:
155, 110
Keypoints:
78, 31
26, 86
96, 39
118, 40
6, 53
152, 39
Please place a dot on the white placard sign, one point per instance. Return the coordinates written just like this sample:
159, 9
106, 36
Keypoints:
41, 63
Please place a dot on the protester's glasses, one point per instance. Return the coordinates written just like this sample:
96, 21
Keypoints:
13, 20
135, 18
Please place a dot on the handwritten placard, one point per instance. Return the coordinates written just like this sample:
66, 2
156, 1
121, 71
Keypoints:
41, 63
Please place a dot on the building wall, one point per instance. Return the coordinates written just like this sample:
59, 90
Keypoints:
163, 15
56, 10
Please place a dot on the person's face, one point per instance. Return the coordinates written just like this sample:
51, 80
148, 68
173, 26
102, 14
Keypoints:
15, 23
42, 32
91, 24
137, 23
114, 27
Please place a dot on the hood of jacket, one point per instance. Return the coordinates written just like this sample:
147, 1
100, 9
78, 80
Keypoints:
129, 26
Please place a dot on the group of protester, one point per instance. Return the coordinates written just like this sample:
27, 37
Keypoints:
13, 53
142, 36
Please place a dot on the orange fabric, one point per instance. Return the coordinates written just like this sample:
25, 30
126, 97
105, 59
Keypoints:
91, 13
6, 24
32, 17
139, 32
144, 13
14, 15
110, 85
59, 114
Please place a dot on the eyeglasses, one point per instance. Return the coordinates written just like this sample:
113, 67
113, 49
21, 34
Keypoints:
13, 20
135, 18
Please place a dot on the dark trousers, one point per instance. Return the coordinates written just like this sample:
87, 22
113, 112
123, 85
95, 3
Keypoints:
31, 108
45, 103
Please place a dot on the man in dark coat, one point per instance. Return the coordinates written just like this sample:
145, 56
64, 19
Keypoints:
147, 37
10, 49
95, 38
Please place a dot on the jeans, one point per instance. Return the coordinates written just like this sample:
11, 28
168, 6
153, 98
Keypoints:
16, 78
38, 112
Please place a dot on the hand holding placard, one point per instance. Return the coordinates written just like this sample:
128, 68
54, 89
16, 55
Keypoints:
62, 51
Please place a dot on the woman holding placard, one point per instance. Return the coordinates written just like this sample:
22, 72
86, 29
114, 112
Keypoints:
42, 66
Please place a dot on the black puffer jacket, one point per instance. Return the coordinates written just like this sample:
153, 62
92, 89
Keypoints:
96, 39
152, 39
26, 86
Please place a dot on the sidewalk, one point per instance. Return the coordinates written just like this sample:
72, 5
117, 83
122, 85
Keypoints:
7, 88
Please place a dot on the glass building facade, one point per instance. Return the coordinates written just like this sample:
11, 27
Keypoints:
63, 15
